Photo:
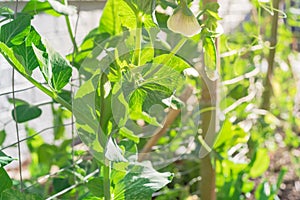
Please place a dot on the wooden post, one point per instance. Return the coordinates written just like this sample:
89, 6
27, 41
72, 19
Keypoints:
273, 42
210, 126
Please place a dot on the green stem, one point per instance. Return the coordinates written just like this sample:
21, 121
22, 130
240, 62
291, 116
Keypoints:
166, 60
259, 21
138, 42
106, 180
44, 104
50, 93
71, 33
70, 29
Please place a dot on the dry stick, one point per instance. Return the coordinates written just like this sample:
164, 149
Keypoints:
169, 119
268, 81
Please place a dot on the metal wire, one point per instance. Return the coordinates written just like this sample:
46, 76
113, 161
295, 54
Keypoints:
17, 91
32, 136
73, 186
15, 115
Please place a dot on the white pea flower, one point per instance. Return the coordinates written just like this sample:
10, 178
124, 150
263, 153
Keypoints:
183, 21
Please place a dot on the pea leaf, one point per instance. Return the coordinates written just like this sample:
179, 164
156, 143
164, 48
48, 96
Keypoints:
56, 70
11, 58
61, 8
87, 118
26, 57
2, 136
4, 159
210, 57
260, 163
6, 12
125, 132
13, 194
95, 186
14, 32
26, 113
51, 7
140, 182
110, 20
17, 101
6, 182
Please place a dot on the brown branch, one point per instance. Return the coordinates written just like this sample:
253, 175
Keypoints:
268, 81
169, 119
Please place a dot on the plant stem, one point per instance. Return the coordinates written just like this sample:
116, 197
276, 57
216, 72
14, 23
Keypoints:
106, 180
138, 41
50, 93
70, 29
268, 81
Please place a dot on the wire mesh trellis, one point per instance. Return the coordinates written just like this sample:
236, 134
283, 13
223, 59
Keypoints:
17, 87
14, 87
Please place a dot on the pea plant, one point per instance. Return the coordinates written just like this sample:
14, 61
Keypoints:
147, 103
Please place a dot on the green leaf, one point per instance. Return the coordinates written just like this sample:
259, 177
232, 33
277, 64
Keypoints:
18, 102
230, 136
58, 118
61, 70
210, 57
51, 7
146, 8
14, 32
110, 21
35, 140
224, 135
87, 119
13, 194
125, 132
140, 182
103, 102
95, 186
4, 159
93, 198
6, 12
25, 113
46, 154
26, 56
11, 58
161, 19
120, 106
260, 163
56, 70
35, 7
174, 62
136, 115
2, 136
127, 16
146, 55
24, 52
6, 182
62, 8
118, 14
